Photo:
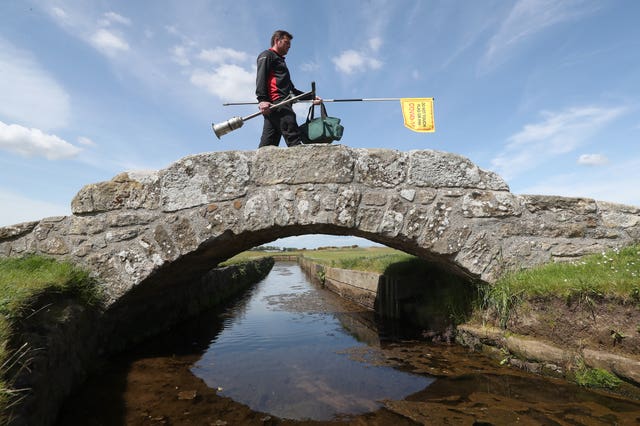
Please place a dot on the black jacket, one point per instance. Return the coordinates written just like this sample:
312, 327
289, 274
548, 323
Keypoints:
273, 82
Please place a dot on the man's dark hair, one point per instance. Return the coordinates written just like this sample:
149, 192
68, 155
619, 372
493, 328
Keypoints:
279, 34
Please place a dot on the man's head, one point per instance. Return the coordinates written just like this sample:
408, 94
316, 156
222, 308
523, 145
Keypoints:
281, 41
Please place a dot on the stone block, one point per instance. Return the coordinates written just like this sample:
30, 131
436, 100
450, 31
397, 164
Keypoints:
305, 164
380, 167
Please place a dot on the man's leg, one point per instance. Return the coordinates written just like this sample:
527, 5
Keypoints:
289, 127
270, 133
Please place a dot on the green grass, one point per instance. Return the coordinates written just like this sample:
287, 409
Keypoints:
372, 259
246, 256
22, 279
595, 378
612, 274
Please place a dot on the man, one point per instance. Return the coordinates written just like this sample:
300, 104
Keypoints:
273, 84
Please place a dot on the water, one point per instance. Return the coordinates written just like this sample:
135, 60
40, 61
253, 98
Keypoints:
291, 350
285, 351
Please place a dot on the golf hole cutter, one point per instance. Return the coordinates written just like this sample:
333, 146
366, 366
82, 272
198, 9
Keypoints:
234, 123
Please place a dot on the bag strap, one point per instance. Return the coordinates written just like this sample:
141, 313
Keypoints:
323, 111
310, 113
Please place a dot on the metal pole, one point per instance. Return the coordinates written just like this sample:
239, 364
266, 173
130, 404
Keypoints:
237, 122
326, 100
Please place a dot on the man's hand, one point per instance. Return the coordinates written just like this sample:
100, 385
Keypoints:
265, 107
317, 100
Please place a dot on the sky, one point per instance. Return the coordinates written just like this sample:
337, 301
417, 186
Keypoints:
546, 93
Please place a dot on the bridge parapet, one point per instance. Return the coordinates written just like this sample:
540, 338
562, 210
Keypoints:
170, 226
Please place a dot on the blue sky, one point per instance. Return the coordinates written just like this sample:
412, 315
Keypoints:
543, 92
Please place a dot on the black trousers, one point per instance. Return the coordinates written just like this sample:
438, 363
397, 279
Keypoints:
280, 122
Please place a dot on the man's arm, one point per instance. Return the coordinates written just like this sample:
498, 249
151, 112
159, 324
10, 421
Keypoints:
262, 77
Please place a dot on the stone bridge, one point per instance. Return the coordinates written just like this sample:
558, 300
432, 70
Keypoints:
171, 226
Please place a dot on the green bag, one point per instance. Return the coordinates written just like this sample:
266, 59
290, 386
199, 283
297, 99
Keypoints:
323, 129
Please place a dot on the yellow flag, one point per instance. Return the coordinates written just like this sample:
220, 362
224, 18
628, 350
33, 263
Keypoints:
418, 114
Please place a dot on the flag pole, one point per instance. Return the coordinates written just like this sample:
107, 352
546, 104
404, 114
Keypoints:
326, 100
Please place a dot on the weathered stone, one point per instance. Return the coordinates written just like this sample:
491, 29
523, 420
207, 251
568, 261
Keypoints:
437, 169
554, 203
619, 216
622, 366
113, 236
42, 230
536, 350
374, 198
425, 196
408, 194
381, 167
165, 242
202, 179
490, 204
55, 245
180, 221
17, 230
130, 218
122, 192
304, 164
86, 225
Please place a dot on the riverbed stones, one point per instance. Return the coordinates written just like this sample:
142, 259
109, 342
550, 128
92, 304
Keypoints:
172, 225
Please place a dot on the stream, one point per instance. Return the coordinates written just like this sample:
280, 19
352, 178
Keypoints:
288, 352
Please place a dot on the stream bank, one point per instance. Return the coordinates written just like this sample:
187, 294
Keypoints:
548, 336
565, 338
66, 340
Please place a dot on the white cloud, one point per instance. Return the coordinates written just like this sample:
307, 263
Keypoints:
351, 61
220, 55
82, 140
528, 18
108, 42
30, 95
593, 159
557, 134
112, 17
228, 82
98, 31
34, 142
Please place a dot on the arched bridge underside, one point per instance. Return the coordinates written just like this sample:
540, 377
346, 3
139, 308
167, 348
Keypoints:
171, 226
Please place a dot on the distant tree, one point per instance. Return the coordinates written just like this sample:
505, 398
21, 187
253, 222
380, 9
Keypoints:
266, 248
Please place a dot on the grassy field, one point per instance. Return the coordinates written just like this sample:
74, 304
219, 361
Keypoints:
372, 259
20, 280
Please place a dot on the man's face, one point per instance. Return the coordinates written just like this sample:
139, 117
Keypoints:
282, 45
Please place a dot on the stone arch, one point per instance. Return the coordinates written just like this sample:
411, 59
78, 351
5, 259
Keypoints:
170, 226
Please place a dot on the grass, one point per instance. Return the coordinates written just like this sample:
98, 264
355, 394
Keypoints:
371, 259
246, 256
615, 273
595, 378
22, 279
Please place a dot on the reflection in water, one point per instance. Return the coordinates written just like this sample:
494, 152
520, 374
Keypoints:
286, 352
